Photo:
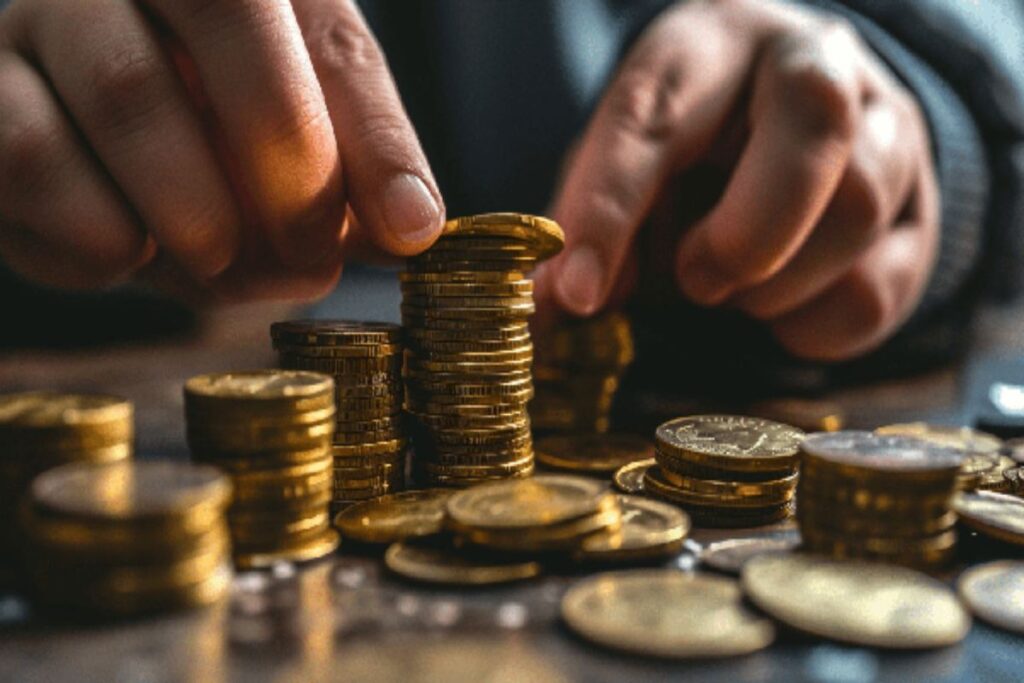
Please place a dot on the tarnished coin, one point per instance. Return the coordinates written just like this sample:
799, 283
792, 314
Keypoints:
995, 592
435, 563
665, 613
539, 501
864, 603
962, 438
395, 517
648, 529
868, 451
130, 490
998, 515
630, 478
730, 555
542, 235
731, 442
599, 453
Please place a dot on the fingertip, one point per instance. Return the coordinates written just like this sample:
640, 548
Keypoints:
580, 283
413, 214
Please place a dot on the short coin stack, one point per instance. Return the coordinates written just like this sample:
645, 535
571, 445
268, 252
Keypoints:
879, 497
465, 304
40, 430
726, 470
365, 360
270, 430
577, 373
128, 537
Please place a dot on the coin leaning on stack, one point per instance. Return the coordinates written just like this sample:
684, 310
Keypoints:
465, 304
364, 358
579, 364
878, 497
128, 537
726, 470
270, 430
41, 430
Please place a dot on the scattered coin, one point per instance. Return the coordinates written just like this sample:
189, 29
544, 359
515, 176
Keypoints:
649, 530
665, 613
597, 453
863, 603
435, 563
730, 555
395, 517
995, 593
630, 478
542, 500
998, 515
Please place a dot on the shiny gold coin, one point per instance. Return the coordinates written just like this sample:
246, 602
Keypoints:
995, 593
961, 438
463, 277
396, 517
500, 367
314, 549
434, 563
540, 234
630, 478
339, 351
864, 603
598, 453
515, 288
731, 442
648, 530
726, 491
998, 515
730, 555
563, 537
542, 500
656, 483
665, 613
259, 385
39, 409
335, 333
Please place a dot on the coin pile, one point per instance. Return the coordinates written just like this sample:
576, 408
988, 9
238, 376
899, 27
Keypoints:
364, 358
726, 470
580, 363
465, 303
128, 537
270, 430
879, 497
983, 464
41, 430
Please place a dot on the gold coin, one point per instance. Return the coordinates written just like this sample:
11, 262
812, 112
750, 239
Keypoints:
562, 537
995, 479
995, 592
961, 438
542, 235
514, 288
655, 482
322, 545
731, 442
546, 499
864, 603
335, 333
725, 491
730, 555
345, 366
130, 490
500, 367
339, 351
630, 478
998, 515
520, 352
599, 453
1015, 477
283, 483
459, 277
665, 613
871, 454
648, 529
39, 409
395, 518
433, 563
259, 385
496, 334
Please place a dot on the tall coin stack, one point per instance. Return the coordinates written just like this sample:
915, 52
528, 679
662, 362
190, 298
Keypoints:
128, 537
364, 358
465, 304
41, 430
270, 430
879, 497
727, 470
578, 371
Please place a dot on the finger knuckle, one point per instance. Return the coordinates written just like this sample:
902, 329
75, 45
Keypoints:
824, 98
647, 99
31, 157
124, 87
340, 42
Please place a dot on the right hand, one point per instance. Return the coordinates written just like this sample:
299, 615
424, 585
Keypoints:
238, 147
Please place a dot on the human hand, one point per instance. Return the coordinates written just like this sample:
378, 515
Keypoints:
215, 146
828, 226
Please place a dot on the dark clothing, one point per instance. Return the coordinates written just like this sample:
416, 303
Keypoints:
498, 90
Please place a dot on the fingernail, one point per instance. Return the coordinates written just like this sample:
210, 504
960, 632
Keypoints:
581, 281
410, 211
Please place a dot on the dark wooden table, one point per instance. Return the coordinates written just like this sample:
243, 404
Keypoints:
345, 619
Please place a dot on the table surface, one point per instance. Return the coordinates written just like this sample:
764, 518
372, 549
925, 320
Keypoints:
345, 619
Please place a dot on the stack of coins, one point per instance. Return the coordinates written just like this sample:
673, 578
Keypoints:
983, 463
879, 497
364, 358
42, 430
726, 470
465, 303
270, 430
128, 537
577, 374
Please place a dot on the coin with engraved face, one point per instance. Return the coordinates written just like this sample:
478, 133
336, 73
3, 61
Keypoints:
537, 501
648, 529
870, 451
731, 442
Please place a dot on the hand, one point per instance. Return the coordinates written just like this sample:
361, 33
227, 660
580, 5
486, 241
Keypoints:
216, 143
828, 225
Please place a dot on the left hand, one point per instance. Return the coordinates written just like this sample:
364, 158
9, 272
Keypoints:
828, 227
